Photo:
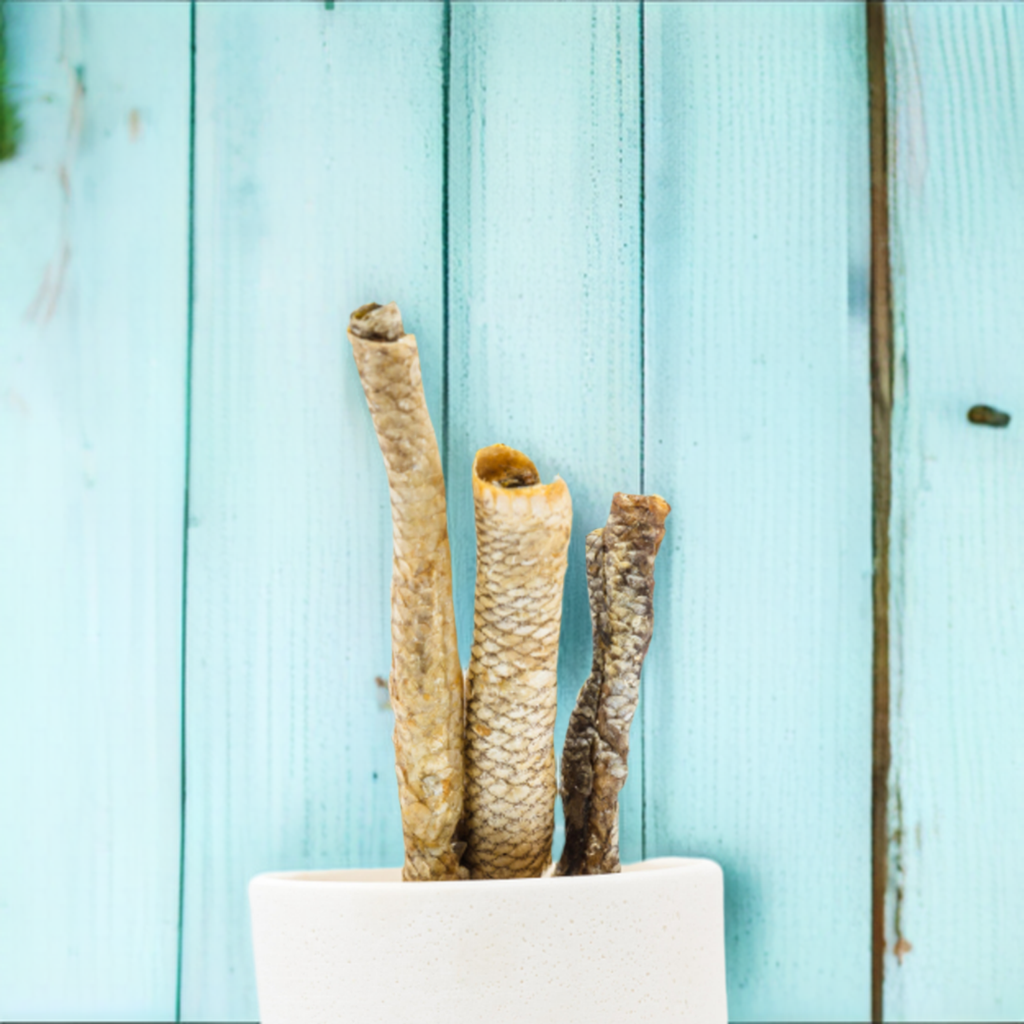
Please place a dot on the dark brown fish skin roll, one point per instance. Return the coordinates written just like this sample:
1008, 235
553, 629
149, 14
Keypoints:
620, 580
426, 683
579, 750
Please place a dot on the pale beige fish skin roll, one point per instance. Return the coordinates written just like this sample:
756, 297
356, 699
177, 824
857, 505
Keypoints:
620, 573
426, 683
523, 530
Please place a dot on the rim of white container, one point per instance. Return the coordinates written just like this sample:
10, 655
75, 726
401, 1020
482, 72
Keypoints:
385, 877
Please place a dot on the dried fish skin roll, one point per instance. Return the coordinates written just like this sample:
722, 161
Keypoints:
426, 683
630, 541
523, 529
620, 577
580, 746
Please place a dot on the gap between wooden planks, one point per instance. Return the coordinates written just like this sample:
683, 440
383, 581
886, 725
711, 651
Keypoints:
881, 487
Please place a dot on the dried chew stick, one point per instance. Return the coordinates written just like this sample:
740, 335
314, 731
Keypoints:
581, 737
620, 579
522, 529
426, 684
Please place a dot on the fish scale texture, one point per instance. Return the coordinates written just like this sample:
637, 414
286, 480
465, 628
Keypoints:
581, 735
620, 581
426, 683
522, 546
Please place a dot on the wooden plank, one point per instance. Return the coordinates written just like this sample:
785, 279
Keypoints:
757, 430
955, 918
318, 187
93, 340
544, 279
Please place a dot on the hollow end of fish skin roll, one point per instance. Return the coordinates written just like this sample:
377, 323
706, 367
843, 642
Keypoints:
650, 507
374, 322
504, 467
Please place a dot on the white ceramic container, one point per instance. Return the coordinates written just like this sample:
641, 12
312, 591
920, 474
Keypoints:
363, 946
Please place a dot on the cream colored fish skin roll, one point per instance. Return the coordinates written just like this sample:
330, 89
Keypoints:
426, 682
522, 529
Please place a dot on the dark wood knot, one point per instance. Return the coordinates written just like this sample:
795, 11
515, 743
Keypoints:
986, 416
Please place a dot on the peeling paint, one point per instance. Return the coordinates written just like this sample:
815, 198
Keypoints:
44, 302
901, 946
383, 693
17, 401
912, 127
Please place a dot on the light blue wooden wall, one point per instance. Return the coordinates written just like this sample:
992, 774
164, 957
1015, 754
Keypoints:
757, 697
633, 241
94, 244
956, 912
306, 201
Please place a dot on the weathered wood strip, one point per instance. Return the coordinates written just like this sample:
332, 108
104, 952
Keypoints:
881, 488
318, 188
758, 431
93, 341
955, 919
544, 283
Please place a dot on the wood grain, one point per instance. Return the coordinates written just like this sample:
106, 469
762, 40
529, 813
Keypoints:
544, 284
93, 340
757, 430
318, 188
955, 919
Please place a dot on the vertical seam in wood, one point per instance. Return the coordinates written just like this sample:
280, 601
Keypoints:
189, 334
881, 474
446, 79
643, 381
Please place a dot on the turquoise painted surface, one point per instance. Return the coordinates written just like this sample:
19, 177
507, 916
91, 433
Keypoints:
318, 186
956, 904
93, 329
544, 278
758, 685
634, 243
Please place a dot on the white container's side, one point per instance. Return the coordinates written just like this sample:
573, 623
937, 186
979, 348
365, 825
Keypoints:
646, 945
955, 913
318, 169
757, 429
93, 343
